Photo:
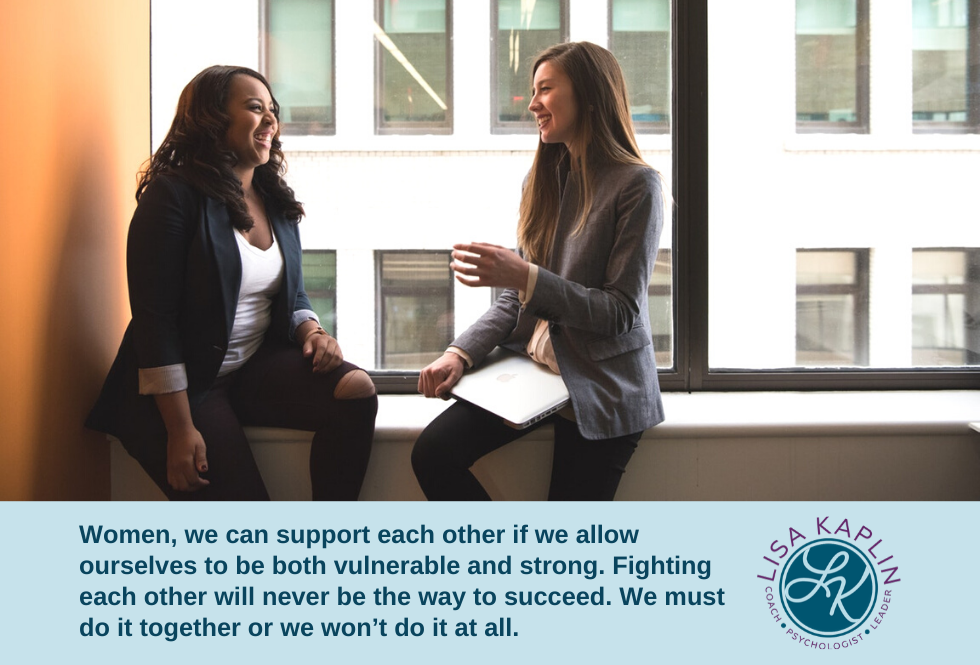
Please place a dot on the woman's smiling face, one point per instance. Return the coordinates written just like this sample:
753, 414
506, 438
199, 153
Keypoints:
553, 105
253, 123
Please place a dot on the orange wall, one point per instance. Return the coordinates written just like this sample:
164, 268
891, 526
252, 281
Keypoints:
76, 127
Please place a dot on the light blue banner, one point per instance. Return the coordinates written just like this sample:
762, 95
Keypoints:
649, 582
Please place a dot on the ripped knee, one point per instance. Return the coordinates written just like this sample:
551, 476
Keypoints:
354, 385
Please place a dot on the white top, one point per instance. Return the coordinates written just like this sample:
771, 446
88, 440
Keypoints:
261, 279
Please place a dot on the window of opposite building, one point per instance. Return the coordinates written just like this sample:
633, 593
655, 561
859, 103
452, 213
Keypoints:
413, 46
298, 60
521, 30
639, 36
832, 66
415, 307
832, 308
946, 307
661, 303
320, 280
945, 65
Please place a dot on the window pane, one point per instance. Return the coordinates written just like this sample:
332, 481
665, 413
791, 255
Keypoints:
812, 238
320, 280
416, 293
946, 307
300, 64
414, 64
831, 309
523, 30
662, 309
640, 39
827, 61
939, 61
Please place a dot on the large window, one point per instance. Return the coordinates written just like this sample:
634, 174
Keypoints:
639, 37
320, 280
415, 303
944, 76
831, 65
414, 60
299, 57
521, 30
946, 307
795, 156
831, 308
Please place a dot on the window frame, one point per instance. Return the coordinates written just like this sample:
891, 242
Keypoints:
972, 124
862, 34
382, 128
301, 128
689, 219
508, 126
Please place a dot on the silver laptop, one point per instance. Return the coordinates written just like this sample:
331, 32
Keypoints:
514, 387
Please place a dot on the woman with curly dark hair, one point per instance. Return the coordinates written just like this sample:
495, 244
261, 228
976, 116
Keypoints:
222, 332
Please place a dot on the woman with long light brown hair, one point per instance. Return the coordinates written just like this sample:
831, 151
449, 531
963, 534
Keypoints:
575, 294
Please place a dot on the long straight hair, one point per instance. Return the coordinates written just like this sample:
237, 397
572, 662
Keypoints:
194, 149
603, 135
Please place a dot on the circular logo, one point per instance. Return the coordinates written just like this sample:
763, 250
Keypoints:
828, 587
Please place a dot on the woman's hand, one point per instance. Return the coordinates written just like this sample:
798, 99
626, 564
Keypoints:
483, 264
324, 350
186, 458
441, 375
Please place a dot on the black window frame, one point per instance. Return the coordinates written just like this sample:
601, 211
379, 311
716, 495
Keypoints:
691, 256
383, 128
862, 35
301, 128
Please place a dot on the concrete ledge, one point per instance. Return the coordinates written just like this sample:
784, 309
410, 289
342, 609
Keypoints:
713, 446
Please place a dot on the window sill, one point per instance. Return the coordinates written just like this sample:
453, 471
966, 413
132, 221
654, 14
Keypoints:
740, 415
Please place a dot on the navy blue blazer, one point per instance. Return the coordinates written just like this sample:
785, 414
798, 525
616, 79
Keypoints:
184, 272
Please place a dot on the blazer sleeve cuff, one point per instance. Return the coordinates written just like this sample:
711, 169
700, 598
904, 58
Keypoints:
301, 316
462, 354
532, 279
162, 380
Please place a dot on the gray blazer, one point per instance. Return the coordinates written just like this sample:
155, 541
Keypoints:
593, 292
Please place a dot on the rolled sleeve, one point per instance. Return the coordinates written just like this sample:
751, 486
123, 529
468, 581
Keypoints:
301, 316
162, 380
532, 280
462, 354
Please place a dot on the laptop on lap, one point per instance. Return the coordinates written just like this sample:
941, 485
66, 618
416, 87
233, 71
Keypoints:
514, 387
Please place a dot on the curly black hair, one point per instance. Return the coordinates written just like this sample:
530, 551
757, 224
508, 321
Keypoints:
194, 149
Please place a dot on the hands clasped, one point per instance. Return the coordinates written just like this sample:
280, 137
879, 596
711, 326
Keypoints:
483, 264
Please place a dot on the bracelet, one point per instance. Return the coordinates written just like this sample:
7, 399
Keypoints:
316, 331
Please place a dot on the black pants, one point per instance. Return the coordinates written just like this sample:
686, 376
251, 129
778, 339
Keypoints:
277, 388
583, 470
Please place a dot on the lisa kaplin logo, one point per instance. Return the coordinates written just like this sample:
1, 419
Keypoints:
829, 589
